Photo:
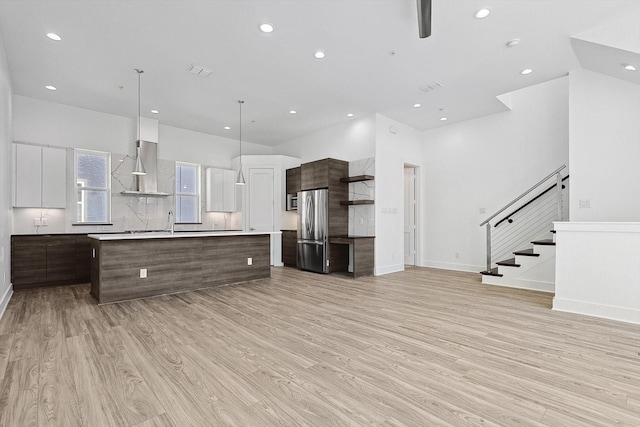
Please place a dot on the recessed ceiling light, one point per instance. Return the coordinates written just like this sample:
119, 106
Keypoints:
54, 36
349, 114
482, 13
417, 105
51, 87
629, 67
443, 119
266, 28
319, 55
227, 128
526, 71
155, 112
293, 112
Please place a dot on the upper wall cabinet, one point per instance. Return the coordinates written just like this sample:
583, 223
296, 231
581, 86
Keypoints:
293, 180
41, 177
220, 190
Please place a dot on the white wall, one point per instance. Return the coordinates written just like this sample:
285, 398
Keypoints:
49, 123
353, 140
604, 146
483, 164
5, 180
197, 147
396, 144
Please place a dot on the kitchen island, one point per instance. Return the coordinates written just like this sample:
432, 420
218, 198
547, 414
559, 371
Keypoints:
128, 266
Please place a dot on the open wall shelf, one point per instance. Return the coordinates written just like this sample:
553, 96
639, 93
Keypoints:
356, 202
358, 178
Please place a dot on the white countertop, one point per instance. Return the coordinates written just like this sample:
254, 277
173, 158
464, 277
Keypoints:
176, 234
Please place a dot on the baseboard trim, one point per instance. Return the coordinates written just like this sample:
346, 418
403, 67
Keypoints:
530, 285
4, 301
379, 271
623, 314
453, 266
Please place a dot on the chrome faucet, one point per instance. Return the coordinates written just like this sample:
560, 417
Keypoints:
171, 223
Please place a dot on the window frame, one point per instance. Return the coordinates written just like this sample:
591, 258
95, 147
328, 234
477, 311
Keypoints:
197, 194
77, 189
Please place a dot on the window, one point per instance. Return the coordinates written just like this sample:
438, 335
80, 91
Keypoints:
93, 186
187, 192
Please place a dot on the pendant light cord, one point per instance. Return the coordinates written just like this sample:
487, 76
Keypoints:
139, 120
240, 102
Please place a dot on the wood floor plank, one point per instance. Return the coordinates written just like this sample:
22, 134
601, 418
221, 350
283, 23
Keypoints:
420, 347
6, 343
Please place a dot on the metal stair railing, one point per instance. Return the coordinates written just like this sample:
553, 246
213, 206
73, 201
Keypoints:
534, 215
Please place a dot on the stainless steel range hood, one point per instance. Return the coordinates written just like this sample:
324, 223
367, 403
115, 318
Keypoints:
147, 185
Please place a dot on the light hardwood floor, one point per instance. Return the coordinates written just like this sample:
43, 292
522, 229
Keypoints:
421, 348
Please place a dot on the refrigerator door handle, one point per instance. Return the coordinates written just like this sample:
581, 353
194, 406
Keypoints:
310, 242
310, 217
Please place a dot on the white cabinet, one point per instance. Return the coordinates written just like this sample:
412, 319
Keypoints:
220, 190
40, 177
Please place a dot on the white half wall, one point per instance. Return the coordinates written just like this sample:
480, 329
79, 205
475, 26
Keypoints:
396, 145
6, 94
597, 271
473, 168
604, 146
353, 140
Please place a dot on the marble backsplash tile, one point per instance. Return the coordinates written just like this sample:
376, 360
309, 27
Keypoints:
362, 217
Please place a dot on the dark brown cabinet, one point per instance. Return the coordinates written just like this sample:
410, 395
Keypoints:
362, 250
323, 173
293, 180
289, 244
326, 173
41, 260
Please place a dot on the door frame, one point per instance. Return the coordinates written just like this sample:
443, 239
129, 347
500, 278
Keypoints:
417, 189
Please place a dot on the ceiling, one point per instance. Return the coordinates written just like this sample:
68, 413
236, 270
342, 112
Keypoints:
374, 61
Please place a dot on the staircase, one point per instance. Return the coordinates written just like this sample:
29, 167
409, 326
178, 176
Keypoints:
532, 268
521, 240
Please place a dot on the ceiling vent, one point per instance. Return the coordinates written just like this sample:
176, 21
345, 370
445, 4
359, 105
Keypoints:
199, 71
431, 86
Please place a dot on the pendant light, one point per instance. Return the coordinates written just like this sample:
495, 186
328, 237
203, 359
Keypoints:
139, 168
240, 179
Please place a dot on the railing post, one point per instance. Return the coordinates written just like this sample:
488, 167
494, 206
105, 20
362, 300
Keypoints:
559, 195
488, 247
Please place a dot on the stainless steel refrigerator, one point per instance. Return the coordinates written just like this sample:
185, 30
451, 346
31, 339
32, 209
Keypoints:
313, 230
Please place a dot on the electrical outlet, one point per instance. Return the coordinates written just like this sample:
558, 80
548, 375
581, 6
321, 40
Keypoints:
584, 204
37, 222
361, 221
249, 261
457, 254
143, 273
45, 222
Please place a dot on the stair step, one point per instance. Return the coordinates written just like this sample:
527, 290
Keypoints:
508, 263
546, 242
493, 272
526, 252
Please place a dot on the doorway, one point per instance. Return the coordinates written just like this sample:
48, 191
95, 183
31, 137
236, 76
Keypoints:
410, 215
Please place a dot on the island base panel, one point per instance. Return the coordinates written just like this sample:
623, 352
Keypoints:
175, 265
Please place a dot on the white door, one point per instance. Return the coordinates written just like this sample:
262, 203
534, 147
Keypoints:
261, 199
409, 215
